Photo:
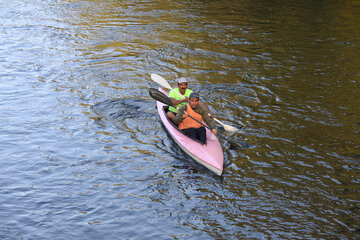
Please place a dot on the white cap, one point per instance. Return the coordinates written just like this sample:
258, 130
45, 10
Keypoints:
182, 80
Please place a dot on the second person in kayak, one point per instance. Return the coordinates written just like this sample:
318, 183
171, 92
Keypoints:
179, 101
192, 127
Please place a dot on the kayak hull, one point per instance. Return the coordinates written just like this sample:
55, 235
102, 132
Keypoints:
211, 155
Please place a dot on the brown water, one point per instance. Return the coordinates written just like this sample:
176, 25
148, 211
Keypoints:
83, 153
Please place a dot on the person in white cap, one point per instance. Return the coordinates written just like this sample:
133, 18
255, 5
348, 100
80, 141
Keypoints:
179, 101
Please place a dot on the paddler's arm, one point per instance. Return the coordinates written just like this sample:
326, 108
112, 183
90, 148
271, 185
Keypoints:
207, 109
172, 94
179, 115
177, 102
207, 119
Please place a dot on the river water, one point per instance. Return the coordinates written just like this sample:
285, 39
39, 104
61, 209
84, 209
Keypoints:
84, 155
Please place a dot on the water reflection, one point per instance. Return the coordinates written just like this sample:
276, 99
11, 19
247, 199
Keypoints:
84, 150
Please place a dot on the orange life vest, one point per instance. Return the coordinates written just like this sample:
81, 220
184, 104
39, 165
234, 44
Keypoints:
189, 122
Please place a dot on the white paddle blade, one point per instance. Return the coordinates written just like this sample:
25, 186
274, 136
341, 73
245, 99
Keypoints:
227, 127
160, 80
230, 128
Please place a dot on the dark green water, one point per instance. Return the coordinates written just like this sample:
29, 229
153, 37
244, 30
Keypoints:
84, 156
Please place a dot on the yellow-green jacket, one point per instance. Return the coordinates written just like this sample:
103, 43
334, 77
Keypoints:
174, 95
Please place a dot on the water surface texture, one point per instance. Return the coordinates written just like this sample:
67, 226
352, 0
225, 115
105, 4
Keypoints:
84, 155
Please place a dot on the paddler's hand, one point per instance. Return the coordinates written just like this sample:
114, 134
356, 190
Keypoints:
185, 115
214, 131
185, 99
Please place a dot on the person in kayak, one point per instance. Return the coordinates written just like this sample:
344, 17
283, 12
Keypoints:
179, 101
190, 126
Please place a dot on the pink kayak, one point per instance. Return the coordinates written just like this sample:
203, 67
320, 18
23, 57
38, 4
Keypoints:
211, 155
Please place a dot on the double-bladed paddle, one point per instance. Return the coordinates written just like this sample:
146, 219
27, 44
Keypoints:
161, 97
162, 82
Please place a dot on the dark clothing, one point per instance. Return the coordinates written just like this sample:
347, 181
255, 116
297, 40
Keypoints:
197, 133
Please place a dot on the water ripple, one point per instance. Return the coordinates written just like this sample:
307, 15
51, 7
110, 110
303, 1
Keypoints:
84, 154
